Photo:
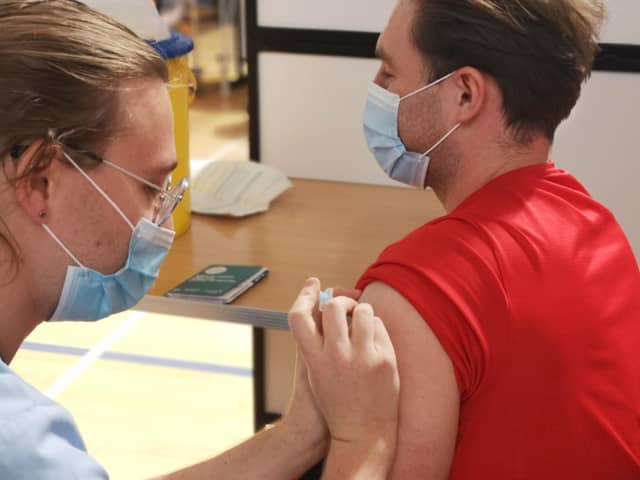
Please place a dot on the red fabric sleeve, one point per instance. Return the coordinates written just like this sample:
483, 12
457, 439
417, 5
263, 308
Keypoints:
448, 272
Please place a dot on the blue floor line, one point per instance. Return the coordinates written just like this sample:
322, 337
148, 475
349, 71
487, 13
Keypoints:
142, 359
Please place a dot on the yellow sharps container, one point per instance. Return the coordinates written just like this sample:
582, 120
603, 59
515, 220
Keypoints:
182, 89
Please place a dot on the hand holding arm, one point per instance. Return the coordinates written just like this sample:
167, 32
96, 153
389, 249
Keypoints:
353, 375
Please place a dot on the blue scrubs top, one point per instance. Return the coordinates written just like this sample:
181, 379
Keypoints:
38, 437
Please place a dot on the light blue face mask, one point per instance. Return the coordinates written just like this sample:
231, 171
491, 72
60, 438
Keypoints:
90, 295
383, 138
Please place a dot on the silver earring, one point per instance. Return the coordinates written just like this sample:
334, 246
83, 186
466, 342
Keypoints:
42, 214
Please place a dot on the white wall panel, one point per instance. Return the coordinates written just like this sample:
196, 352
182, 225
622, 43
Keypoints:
599, 145
354, 15
622, 26
623, 23
311, 117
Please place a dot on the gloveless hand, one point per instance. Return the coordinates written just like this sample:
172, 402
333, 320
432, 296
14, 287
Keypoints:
303, 416
352, 369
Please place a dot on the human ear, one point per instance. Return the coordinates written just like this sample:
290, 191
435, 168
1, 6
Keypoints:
470, 93
32, 179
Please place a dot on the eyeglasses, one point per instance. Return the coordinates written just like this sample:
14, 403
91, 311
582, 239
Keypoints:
169, 197
164, 204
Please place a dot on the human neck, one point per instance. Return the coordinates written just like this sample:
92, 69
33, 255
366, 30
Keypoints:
19, 314
477, 170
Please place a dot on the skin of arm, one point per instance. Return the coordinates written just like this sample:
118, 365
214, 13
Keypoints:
429, 399
281, 452
349, 461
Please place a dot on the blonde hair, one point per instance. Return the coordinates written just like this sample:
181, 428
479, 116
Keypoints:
539, 52
61, 67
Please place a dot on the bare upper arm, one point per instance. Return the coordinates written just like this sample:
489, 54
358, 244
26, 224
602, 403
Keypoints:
429, 396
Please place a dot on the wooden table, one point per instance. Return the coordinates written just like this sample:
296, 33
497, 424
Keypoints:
326, 229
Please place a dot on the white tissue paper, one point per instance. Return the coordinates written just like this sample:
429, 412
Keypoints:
236, 188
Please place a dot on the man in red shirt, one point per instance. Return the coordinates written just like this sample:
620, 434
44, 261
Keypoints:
516, 316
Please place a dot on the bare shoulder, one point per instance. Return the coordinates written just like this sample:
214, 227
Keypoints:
429, 395
387, 300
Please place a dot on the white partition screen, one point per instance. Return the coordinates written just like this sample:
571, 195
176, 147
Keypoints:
350, 15
623, 22
622, 26
599, 145
311, 117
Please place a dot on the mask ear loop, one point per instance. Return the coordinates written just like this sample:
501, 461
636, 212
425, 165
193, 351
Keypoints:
51, 138
446, 135
422, 89
95, 185
63, 247
432, 84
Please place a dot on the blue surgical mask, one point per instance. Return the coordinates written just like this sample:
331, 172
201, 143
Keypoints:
383, 137
90, 295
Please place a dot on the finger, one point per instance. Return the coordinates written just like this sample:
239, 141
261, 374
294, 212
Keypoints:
301, 322
317, 313
301, 363
382, 340
363, 327
334, 320
301, 369
347, 292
